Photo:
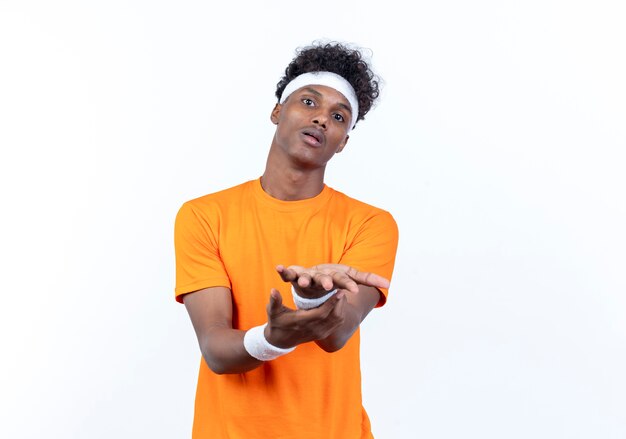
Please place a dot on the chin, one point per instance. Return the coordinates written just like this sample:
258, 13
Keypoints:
307, 163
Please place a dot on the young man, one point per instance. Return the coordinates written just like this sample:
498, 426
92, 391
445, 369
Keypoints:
281, 359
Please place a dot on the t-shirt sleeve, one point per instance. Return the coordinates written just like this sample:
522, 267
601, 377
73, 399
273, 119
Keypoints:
198, 263
373, 248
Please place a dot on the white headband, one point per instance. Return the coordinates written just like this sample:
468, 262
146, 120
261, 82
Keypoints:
328, 79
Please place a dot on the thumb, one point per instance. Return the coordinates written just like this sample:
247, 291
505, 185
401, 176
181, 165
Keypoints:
275, 304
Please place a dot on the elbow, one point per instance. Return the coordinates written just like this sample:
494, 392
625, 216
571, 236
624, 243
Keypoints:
221, 364
216, 368
333, 343
331, 348
338, 339
214, 364
219, 371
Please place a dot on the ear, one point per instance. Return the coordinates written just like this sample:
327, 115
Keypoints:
275, 114
343, 145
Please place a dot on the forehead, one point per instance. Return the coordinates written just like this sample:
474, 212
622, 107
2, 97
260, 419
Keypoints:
325, 92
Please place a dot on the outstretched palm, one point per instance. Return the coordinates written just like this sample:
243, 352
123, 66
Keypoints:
318, 280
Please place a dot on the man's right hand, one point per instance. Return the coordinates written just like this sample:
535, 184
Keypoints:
287, 327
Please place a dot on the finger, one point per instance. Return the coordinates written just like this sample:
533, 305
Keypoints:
304, 280
324, 280
341, 303
289, 274
343, 281
297, 269
336, 316
275, 304
327, 307
370, 279
360, 277
284, 273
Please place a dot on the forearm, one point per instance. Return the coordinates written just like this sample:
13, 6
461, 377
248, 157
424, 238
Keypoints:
359, 287
223, 351
221, 345
357, 308
338, 338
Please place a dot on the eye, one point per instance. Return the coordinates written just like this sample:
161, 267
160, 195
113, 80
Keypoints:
338, 117
308, 101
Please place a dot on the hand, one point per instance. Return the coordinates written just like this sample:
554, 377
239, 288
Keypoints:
316, 281
287, 327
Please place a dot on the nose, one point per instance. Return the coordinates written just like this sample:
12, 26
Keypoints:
320, 120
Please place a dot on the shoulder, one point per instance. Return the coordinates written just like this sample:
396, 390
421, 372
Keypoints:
222, 196
360, 210
217, 200
210, 210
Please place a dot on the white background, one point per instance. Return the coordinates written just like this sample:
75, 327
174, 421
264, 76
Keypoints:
498, 145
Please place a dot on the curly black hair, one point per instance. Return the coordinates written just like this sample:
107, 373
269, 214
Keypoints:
340, 59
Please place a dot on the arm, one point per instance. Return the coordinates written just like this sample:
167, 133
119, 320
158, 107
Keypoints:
222, 346
359, 289
211, 311
358, 307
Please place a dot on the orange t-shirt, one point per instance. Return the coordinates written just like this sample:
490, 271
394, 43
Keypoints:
235, 238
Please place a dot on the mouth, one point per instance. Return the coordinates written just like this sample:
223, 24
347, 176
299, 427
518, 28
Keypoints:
314, 136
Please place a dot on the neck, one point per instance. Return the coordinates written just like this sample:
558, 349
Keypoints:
288, 182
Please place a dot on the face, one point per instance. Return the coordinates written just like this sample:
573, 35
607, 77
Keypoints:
312, 125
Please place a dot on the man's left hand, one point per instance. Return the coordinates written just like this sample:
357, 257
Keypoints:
318, 280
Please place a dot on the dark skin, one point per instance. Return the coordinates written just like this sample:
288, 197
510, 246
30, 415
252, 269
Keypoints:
311, 127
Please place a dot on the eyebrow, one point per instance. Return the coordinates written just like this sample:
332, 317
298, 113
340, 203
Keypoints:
318, 94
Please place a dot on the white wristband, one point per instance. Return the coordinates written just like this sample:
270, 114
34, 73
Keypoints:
305, 303
256, 344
